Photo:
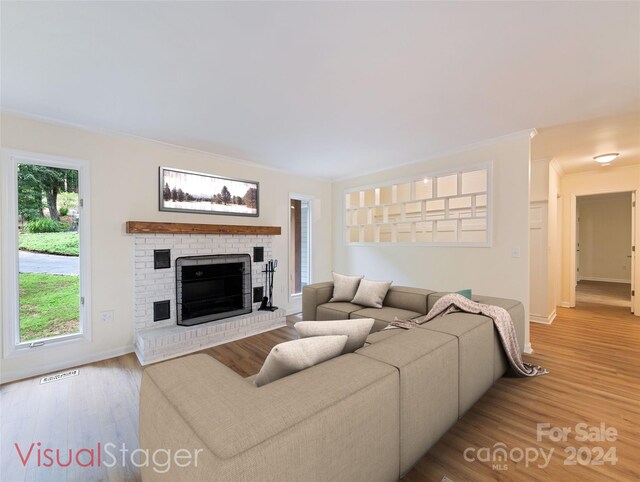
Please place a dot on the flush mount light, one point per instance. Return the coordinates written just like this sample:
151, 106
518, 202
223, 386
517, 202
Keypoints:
606, 158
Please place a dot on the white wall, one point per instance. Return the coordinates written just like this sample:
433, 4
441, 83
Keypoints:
489, 271
603, 180
605, 238
124, 186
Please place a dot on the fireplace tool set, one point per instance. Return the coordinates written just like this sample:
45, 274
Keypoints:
269, 270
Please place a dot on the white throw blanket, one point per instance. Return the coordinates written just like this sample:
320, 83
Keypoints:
501, 319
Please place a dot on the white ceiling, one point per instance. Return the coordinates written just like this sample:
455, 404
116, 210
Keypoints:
575, 145
325, 89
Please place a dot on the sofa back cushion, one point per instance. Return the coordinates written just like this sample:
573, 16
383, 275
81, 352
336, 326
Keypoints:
344, 287
371, 293
292, 356
356, 330
412, 299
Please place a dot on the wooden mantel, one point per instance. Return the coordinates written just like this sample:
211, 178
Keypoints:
147, 227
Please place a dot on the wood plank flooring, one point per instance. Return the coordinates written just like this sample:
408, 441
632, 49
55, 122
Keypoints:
604, 293
592, 352
100, 405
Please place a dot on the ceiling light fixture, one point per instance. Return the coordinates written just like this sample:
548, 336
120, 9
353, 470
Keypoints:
606, 158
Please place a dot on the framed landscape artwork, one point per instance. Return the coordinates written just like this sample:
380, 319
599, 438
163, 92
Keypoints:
194, 192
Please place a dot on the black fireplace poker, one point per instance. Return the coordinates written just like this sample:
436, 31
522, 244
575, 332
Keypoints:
267, 301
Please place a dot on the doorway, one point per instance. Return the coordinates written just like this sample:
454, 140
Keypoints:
299, 243
604, 240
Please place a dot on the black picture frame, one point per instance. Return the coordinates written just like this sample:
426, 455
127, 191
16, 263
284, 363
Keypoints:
195, 192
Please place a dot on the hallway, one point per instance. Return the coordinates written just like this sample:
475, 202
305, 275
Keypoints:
603, 293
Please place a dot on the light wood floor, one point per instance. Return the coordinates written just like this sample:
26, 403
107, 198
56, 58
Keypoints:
604, 293
592, 352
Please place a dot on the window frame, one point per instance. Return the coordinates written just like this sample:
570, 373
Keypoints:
10, 256
488, 166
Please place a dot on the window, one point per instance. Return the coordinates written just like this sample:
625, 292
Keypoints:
299, 243
444, 209
45, 251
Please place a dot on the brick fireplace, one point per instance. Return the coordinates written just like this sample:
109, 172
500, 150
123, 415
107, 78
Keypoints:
155, 287
212, 287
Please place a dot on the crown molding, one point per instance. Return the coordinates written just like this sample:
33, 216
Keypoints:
526, 133
530, 133
177, 147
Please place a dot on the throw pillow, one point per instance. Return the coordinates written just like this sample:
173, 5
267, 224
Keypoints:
292, 356
466, 293
356, 329
371, 293
344, 287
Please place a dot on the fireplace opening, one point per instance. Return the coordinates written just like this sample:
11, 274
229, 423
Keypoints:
212, 287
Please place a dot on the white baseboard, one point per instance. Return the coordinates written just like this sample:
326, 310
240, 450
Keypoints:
528, 349
565, 304
6, 377
547, 320
607, 280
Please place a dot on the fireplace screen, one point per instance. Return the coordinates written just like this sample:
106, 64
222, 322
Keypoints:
212, 287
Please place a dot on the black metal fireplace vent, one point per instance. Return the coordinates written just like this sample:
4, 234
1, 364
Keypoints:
212, 287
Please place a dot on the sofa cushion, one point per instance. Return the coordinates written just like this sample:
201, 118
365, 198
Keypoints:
383, 316
428, 365
356, 330
344, 287
382, 335
475, 350
329, 412
292, 356
371, 293
505, 303
413, 299
515, 309
337, 311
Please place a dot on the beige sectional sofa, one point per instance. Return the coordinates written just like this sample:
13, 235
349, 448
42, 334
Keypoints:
363, 416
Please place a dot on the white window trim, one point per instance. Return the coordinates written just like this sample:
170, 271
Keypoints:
309, 199
9, 175
488, 165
